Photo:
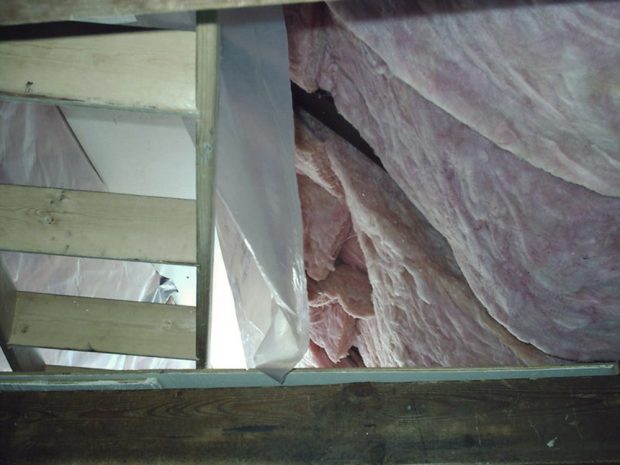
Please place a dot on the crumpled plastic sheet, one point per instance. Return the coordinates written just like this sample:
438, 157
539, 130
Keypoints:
258, 207
38, 148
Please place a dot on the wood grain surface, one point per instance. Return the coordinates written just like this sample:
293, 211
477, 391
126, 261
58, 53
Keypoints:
140, 70
97, 225
19, 358
207, 101
571, 420
103, 325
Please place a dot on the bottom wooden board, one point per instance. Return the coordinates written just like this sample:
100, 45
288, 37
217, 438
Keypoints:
570, 420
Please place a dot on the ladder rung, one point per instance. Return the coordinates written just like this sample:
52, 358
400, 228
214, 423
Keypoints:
102, 325
145, 70
97, 224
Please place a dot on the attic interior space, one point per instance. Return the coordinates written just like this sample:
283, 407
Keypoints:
356, 231
442, 236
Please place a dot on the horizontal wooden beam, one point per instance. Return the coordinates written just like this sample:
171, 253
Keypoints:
37, 11
239, 378
140, 70
97, 224
573, 420
103, 325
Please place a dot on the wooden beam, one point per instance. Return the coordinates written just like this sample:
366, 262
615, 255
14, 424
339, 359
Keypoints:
140, 70
103, 325
207, 76
7, 303
31, 11
20, 359
571, 420
97, 224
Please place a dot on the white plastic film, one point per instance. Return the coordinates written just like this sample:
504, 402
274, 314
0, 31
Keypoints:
258, 209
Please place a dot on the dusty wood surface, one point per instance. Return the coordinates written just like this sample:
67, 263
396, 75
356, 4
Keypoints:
207, 75
37, 11
103, 325
19, 358
142, 70
97, 224
573, 420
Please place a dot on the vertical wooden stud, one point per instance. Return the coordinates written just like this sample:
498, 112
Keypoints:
19, 358
207, 69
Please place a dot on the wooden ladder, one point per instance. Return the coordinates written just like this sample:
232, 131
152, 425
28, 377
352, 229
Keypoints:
161, 71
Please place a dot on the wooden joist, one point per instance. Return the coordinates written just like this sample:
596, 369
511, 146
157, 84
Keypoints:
570, 420
37, 11
141, 70
103, 325
97, 224
207, 74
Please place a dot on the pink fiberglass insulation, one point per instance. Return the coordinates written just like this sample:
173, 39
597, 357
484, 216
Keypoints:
423, 313
516, 191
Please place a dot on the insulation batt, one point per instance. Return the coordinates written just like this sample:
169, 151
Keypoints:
420, 310
500, 128
326, 227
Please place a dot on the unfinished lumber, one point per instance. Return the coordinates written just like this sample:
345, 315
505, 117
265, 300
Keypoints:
569, 420
207, 75
19, 358
37, 11
97, 224
7, 303
141, 70
103, 325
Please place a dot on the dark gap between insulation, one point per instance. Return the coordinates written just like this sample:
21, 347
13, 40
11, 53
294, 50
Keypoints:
63, 29
321, 106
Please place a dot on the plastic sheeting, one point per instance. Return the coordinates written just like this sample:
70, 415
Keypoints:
38, 148
258, 209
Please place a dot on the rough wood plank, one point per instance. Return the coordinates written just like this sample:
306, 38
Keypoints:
97, 224
572, 420
207, 76
142, 70
102, 325
31, 11
20, 359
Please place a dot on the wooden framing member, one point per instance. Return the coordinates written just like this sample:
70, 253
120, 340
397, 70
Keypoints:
32, 11
551, 421
97, 225
138, 70
19, 358
207, 77
103, 325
